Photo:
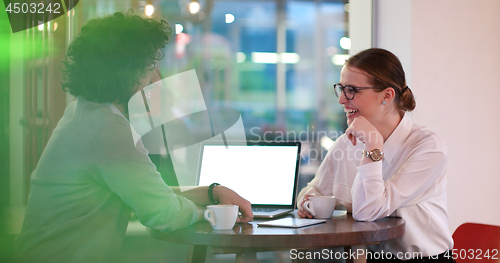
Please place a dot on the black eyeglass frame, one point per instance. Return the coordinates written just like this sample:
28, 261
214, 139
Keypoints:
355, 89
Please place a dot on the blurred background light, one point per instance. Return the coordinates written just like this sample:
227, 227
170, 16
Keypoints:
273, 58
229, 18
290, 58
265, 57
201, 15
345, 43
194, 7
183, 39
339, 59
178, 28
149, 10
240, 57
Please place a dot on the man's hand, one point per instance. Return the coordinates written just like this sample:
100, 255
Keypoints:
226, 196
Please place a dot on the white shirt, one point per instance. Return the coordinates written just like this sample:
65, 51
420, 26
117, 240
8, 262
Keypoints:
410, 182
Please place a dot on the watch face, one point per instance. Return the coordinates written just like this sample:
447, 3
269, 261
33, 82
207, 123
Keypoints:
376, 155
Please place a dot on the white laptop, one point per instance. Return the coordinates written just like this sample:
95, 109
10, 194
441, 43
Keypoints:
264, 173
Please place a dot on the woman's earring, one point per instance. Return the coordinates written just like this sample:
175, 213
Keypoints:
383, 102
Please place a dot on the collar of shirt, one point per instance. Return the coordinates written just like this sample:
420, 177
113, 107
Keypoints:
397, 138
115, 110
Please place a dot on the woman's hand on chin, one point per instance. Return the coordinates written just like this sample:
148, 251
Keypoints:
365, 132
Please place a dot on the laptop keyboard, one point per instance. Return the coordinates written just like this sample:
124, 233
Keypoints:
264, 209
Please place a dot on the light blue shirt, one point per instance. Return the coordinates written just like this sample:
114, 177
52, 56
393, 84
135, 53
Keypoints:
88, 180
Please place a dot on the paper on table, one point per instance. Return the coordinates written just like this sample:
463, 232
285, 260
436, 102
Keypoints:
292, 222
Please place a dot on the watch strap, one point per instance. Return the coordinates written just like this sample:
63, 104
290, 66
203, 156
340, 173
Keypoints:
211, 194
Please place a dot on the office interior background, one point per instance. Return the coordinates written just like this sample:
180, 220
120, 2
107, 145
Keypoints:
276, 62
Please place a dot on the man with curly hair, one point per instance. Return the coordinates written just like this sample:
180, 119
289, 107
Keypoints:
91, 175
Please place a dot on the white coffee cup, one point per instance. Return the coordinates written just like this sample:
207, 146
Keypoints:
221, 217
320, 206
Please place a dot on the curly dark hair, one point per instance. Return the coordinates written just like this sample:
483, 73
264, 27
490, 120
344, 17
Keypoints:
107, 59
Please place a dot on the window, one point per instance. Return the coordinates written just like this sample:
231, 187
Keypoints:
274, 61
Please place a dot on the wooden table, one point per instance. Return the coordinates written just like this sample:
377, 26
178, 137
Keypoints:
245, 240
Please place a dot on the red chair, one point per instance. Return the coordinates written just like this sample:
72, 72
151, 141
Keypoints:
476, 243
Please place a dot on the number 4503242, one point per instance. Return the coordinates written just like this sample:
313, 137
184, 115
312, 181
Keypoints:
33, 8
472, 254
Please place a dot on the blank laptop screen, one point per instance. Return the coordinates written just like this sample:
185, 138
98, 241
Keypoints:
262, 174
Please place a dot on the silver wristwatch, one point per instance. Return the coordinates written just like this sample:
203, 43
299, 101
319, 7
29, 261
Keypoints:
375, 154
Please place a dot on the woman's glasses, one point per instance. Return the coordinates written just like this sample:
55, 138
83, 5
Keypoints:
349, 91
